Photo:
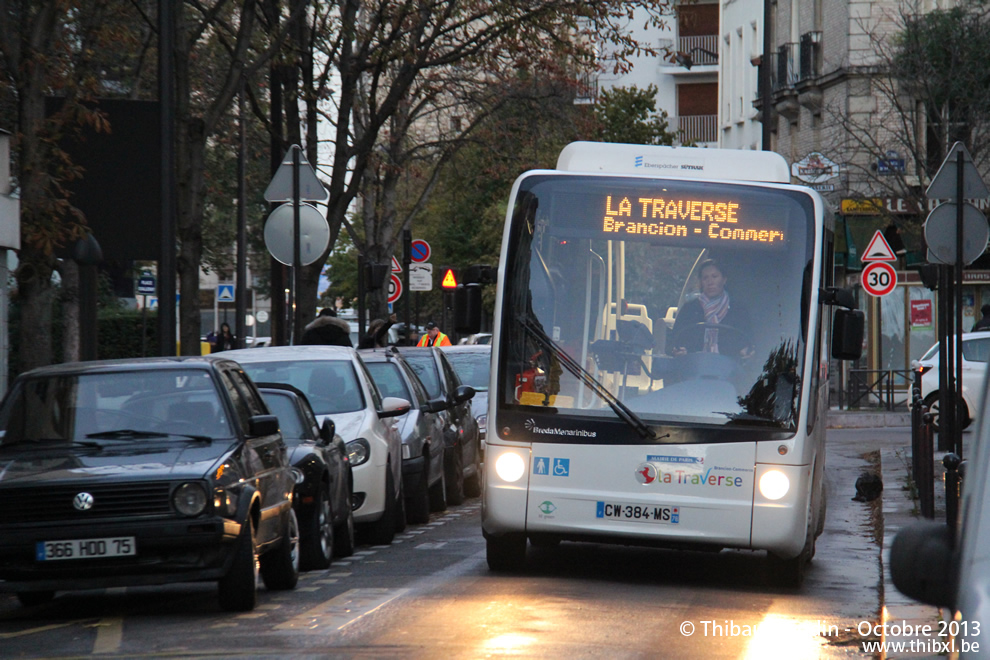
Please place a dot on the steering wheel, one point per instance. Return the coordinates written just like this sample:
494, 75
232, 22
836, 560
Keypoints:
677, 338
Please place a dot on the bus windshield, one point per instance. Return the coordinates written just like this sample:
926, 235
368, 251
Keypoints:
687, 302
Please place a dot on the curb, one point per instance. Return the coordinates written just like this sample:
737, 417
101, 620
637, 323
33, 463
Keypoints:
852, 419
900, 510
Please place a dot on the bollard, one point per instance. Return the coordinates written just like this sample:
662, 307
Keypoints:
925, 477
952, 483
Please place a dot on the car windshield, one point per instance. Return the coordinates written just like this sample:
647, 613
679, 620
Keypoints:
388, 379
472, 367
426, 368
330, 385
282, 406
118, 405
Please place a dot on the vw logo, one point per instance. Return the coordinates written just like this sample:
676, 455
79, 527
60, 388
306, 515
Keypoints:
83, 502
646, 473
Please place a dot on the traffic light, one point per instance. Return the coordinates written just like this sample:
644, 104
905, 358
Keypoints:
374, 275
467, 308
448, 278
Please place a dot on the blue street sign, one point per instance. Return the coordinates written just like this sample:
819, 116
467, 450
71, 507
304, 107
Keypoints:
225, 293
146, 285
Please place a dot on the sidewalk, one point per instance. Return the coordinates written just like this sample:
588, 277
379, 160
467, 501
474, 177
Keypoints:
899, 509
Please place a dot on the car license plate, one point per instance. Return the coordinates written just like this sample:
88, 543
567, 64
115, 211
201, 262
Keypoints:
647, 513
122, 546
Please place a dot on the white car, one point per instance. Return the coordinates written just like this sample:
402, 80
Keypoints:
932, 563
338, 386
975, 354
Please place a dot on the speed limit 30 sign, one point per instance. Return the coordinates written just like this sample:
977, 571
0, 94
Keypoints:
879, 278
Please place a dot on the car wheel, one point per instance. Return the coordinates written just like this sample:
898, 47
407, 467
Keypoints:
238, 589
933, 407
472, 485
317, 538
418, 500
280, 566
343, 537
454, 466
382, 531
35, 598
505, 553
438, 493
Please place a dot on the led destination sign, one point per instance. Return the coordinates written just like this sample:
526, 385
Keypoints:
724, 221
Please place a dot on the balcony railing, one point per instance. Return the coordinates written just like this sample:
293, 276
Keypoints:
810, 55
702, 50
785, 68
696, 128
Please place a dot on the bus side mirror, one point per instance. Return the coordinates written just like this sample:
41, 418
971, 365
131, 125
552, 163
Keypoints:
848, 326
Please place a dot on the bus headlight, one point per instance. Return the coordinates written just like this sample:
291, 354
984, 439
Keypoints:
774, 485
510, 467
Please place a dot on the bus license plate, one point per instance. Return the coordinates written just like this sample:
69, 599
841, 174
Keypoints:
647, 513
122, 546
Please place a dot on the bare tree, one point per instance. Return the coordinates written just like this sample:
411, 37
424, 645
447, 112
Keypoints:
377, 76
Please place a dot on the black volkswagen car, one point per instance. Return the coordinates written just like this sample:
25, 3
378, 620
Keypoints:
322, 498
143, 472
463, 454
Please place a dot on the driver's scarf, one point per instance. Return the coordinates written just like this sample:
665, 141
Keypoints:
715, 310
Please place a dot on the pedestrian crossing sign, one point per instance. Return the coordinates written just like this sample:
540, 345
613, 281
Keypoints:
225, 293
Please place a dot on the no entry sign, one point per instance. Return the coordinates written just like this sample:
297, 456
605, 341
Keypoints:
879, 278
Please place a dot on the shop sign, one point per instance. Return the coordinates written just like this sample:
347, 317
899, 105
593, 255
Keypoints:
899, 206
815, 168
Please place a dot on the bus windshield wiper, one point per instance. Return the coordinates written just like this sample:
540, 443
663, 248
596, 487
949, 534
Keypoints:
621, 410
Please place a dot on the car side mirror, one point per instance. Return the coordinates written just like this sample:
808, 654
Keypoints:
924, 565
393, 406
434, 406
327, 431
463, 393
260, 425
848, 326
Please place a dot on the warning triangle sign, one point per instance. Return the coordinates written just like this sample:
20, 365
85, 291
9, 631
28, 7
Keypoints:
396, 268
879, 249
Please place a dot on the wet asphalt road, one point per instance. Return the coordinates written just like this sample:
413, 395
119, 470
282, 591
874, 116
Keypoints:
430, 595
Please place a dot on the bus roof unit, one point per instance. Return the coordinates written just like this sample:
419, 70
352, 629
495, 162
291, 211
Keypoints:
679, 162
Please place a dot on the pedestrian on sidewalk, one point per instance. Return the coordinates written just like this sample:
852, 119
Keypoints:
327, 329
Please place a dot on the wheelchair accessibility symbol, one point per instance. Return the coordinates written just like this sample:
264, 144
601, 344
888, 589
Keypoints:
561, 467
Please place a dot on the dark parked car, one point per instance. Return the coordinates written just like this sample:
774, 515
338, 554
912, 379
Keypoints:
143, 472
463, 454
421, 431
473, 364
323, 498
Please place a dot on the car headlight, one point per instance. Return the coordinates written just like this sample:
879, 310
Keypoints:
483, 422
189, 499
774, 485
358, 452
510, 467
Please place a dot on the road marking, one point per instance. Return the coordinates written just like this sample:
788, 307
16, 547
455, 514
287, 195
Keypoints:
431, 546
341, 610
327, 581
42, 629
307, 589
109, 634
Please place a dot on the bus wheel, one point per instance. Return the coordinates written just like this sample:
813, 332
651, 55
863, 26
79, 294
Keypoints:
787, 573
506, 553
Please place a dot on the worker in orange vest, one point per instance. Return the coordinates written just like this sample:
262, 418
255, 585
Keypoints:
433, 336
